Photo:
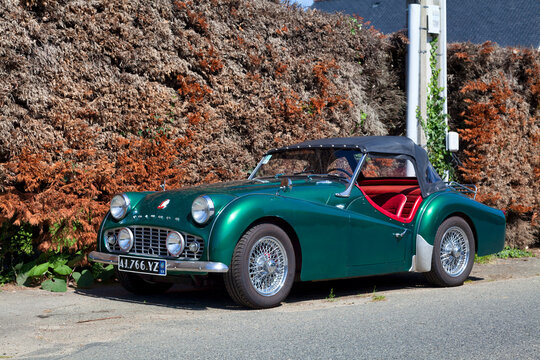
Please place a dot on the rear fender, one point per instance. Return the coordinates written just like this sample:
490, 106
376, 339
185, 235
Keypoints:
488, 224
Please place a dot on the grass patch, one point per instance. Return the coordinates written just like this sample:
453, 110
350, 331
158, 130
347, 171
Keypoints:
375, 297
484, 259
513, 253
506, 253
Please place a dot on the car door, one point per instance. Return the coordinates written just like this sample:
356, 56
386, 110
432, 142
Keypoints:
379, 242
376, 240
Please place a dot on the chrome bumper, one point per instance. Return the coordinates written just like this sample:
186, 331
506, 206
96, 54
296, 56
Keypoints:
174, 265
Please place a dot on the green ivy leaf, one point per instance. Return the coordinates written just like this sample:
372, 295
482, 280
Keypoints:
38, 270
62, 270
76, 275
75, 260
54, 285
58, 261
106, 273
21, 279
86, 279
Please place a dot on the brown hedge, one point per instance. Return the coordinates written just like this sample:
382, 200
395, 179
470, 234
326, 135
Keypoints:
106, 96
495, 95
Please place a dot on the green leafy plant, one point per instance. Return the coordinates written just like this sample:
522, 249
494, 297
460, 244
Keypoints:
51, 270
507, 253
355, 25
16, 244
359, 124
375, 297
55, 271
484, 259
331, 296
435, 125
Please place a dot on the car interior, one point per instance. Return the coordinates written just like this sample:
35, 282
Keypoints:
390, 185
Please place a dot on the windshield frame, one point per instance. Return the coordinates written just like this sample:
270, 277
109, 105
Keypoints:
350, 182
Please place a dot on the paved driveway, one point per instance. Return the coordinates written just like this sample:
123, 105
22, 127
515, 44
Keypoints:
493, 316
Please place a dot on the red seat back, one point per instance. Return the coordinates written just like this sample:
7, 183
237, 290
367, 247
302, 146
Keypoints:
395, 204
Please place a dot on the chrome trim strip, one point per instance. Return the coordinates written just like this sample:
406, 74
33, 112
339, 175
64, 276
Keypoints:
252, 175
145, 237
101, 231
463, 188
347, 192
190, 266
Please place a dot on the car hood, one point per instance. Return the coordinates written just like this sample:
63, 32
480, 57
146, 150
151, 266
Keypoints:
178, 202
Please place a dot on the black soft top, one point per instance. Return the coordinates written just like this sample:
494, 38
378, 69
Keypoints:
392, 145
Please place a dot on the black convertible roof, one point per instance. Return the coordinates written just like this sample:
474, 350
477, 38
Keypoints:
372, 144
396, 145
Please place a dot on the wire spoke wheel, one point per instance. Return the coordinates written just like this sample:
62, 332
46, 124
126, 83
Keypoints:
455, 251
262, 267
268, 266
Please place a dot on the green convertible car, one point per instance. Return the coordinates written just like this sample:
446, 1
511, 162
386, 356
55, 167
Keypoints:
322, 209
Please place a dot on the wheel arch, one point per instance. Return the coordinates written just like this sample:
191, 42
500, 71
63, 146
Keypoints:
469, 222
291, 233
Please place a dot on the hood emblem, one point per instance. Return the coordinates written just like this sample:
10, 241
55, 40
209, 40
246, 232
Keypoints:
164, 204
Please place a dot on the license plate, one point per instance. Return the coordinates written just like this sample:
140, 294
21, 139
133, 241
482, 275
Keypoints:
142, 265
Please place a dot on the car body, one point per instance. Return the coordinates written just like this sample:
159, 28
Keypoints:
321, 209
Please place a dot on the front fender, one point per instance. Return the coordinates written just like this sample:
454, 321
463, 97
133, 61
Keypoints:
488, 224
310, 221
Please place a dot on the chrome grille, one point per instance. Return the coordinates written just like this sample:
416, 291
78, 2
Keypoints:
152, 241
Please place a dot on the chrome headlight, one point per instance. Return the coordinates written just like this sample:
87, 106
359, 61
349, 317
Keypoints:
119, 206
202, 209
125, 239
175, 243
110, 241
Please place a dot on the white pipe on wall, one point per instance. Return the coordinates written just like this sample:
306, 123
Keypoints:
413, 71
442, 47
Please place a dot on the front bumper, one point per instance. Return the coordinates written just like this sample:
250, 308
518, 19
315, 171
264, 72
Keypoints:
174, 265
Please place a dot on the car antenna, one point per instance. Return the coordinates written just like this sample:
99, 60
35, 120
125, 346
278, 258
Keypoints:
162, 186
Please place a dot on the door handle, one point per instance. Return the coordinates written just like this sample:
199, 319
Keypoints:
400, 235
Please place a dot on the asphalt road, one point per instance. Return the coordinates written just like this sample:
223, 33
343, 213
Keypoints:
495, 315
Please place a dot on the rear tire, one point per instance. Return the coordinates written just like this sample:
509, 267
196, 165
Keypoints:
262, 268
135, 284
453, 253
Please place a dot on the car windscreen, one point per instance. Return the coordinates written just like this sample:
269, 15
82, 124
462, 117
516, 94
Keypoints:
310, 162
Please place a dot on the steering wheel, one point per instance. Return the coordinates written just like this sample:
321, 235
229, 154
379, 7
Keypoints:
339, 169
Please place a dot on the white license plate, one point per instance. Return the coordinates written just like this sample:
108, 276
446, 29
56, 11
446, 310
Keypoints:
142, 265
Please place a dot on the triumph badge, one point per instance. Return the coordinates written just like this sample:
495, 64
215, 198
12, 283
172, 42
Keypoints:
164, 204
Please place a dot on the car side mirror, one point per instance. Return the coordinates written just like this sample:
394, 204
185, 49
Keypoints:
285, 185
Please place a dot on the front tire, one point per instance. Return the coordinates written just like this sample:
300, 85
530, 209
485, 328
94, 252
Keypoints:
262, 268
453, 253
135, 284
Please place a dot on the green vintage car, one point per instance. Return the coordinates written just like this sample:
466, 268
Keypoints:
322, 209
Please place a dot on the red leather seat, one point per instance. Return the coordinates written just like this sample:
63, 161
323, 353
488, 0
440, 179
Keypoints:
395, 204
381, 193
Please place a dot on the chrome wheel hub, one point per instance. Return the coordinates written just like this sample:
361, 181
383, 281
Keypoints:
268, 266
455, 251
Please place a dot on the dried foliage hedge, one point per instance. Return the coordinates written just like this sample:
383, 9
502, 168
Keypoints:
99, 97
495, 97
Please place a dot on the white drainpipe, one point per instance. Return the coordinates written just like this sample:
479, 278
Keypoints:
413, 71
